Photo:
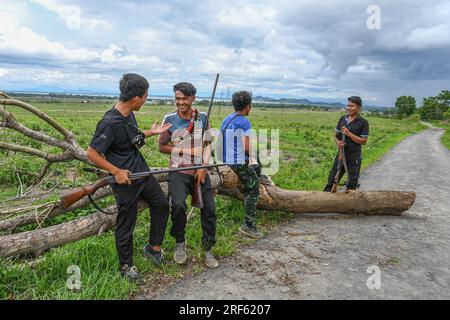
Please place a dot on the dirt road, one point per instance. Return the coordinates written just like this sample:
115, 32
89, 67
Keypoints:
327, 256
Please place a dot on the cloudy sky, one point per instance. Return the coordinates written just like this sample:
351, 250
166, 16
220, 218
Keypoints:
319, 50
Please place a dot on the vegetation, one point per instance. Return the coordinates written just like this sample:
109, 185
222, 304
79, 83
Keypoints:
436, 108
307, 150
405, 106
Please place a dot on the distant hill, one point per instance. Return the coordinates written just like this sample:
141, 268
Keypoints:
306, 102
296, 101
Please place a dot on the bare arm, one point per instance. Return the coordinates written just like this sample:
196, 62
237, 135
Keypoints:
99, 160
155, 129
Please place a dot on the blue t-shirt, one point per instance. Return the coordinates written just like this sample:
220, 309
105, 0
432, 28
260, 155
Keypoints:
237, 127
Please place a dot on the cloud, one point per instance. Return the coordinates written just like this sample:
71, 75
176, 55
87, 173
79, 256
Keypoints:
427, 38
3, 72
295, 48
71, 14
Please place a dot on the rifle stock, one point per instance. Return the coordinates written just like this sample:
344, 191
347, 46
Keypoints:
69, 198
338, 173
196, 196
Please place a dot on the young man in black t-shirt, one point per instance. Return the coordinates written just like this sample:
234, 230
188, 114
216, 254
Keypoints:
356, 131
115, 148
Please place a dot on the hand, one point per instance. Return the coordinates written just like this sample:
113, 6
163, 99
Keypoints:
340, 143
155, 129
345, 131
121, 176
201, 175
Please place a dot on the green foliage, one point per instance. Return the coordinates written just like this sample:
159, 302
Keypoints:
307, 151
436, 108
405, 106
445, 124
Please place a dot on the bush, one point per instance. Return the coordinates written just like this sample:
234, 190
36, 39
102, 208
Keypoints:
405, 106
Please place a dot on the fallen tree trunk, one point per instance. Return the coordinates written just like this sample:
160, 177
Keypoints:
272, 198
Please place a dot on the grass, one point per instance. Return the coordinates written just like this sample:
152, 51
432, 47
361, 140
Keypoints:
446, 136
307, 151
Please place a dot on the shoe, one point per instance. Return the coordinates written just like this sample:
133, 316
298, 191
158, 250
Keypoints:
250, 232
131, 273
180, 253
156, 256
210, 261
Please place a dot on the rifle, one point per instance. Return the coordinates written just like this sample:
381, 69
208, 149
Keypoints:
342, 163
69, 198
196, 196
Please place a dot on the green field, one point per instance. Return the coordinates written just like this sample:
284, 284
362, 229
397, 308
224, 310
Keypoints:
307, 150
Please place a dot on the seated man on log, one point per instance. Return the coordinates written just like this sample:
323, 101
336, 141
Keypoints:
237, 153
115, 148
351, 132
183, 141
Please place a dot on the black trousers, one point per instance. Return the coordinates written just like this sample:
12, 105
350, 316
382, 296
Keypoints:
354, 167
127, 199
180, 185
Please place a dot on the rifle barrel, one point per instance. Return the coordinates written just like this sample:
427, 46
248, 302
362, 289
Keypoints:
210, 104
139, 175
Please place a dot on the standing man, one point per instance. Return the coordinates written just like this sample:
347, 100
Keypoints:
115, 148
355, 130
236, 132
183, 142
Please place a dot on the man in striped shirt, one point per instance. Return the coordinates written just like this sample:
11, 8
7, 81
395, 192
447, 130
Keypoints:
184, 144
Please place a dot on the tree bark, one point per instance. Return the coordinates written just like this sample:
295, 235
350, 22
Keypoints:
272, 198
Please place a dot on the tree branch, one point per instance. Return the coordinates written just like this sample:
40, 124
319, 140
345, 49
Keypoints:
13, 102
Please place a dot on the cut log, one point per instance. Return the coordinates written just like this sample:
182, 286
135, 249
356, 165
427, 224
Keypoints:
272, 198
37, 241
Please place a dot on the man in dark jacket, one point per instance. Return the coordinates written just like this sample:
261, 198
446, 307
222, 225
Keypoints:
115, 148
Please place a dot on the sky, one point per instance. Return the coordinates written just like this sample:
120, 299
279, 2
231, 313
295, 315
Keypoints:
321, 50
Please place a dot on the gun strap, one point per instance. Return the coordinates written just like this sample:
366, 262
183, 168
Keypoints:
97, 207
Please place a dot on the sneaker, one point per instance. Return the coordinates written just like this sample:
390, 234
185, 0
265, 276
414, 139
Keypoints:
156, 256
131, 273
180, 253
250, 232
210, 261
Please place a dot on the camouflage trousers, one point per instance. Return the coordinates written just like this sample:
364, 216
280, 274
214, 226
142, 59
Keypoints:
249, 178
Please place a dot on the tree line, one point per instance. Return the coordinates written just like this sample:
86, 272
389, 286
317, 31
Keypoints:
433, 108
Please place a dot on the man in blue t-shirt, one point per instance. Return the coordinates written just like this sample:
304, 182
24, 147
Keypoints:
236, 133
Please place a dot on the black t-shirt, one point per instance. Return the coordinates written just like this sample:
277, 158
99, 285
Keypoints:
113, 141
359, 127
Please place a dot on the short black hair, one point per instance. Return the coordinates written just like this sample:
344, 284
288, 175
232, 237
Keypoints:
241, 99
187, 88
356, 99
132, 85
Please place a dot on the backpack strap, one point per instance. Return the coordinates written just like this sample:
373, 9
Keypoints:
229, 122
